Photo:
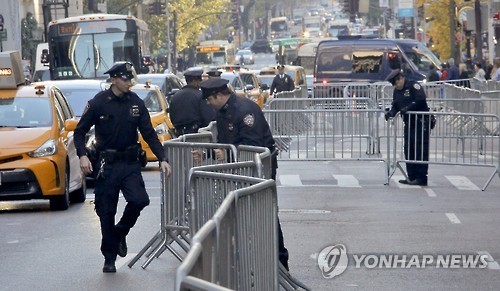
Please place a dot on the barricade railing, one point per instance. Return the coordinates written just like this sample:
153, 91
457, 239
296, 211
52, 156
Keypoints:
462, 139
260, 155
175, 206
328, 134
207, 192
237, 248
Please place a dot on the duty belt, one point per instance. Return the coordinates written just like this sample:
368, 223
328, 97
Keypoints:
180, 130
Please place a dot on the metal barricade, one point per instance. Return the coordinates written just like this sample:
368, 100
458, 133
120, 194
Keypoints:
207, 192
237, 248
260, 155
462, 139
175, 198
327, 134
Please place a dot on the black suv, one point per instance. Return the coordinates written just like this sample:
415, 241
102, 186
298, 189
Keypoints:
261, 46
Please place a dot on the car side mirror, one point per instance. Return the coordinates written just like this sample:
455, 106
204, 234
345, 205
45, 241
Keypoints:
44, 58
249, 87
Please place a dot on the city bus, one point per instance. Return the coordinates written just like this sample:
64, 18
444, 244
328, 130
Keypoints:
278, 27
84, 47
214, 52
306, 54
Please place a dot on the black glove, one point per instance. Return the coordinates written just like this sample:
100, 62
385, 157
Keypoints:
388, 115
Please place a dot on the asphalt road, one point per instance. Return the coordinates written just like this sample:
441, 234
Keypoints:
321, 204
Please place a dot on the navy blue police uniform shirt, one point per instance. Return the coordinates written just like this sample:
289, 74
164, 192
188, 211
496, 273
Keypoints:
282, 84
412, 92
241, 122
116, 122
187, 107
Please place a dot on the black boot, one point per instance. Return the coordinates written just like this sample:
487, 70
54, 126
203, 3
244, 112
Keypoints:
122, 247
109, 266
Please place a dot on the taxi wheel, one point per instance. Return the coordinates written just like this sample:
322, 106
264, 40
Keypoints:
61, 202
79, 195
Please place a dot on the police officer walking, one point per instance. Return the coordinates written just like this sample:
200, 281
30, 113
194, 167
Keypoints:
188, 110
281, 82
117, 113
409, 96
240, 121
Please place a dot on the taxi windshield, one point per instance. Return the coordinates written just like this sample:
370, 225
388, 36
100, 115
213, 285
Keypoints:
151, 99
25, 112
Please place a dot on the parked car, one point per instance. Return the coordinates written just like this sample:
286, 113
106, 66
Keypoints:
297, 73
168, 83
158, 111
261, 46
236, 83
252, 86
246, 56
37, 150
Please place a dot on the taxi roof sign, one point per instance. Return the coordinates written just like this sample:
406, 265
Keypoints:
11, 70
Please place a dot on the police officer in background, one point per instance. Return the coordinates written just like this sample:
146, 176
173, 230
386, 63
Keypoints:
117, 113
281, 82
188, 110
409, 96
240, 121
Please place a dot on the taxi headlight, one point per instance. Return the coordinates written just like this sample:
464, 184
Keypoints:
49, 148
161, 129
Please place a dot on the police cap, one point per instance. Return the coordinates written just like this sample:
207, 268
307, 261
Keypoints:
215, 73
191, 75
122, 70
213, 86
393, 76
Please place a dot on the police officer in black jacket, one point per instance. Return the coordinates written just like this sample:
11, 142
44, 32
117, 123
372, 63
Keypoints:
240, 121
117, 113
281, 82
409, 96
188, 111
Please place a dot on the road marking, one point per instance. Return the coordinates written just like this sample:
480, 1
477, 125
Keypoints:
290, 180
430, 192
304, 211
13, 241
347, 181
453, 218
492, 264
462, 183
120, 262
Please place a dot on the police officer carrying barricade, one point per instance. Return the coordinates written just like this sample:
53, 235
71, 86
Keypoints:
188, 110
281, 82
117, 113
409, 96
240, 121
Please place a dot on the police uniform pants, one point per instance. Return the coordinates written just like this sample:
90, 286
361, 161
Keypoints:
416, 147
118, 176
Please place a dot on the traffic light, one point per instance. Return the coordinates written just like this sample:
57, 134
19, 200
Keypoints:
157, 8
235, 14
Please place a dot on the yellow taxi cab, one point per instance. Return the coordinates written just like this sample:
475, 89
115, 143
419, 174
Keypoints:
297, 73
158, 110
252, 86
37, 155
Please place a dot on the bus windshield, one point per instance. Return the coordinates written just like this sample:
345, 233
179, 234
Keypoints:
90, 55
85, 47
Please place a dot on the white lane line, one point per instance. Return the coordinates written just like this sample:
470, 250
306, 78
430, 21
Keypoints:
290, 180
453, 218
304, 211
462, 183
347, 181
430, 192
120, 262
